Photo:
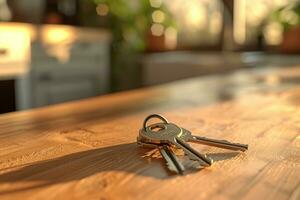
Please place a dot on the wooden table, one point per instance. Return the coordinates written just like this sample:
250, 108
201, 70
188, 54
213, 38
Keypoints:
87, 149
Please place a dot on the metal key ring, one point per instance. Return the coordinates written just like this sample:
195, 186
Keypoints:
154, 116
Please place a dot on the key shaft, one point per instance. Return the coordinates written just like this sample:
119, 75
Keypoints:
163, 135
171, 159
192, 153
218, 143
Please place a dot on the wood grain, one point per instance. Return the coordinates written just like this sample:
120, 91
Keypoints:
87, 150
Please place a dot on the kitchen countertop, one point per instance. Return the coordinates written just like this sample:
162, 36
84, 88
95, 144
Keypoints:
23, 43
86, 149
164, 67
11, 71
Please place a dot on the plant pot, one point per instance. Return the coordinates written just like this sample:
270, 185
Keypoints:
291, 41
155, 43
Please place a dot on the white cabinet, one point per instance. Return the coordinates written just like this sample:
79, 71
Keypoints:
49, 80
67, 84
54, 63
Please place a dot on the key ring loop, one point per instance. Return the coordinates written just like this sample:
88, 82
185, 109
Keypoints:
154, 116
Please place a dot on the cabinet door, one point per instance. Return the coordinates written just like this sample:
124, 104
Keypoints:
51, 91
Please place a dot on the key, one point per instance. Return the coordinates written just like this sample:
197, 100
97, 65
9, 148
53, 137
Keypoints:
188, 137
192, 153
169, 134
161, 133
148, 145
171, 159
166, 152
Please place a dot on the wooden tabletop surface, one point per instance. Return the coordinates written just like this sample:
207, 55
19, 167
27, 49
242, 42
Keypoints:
87, 149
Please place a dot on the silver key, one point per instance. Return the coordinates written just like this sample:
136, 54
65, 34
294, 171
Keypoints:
161, 133
188, 137
144, 144
166, 152
171, 159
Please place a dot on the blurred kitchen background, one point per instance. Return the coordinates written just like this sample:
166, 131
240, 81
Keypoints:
54, 51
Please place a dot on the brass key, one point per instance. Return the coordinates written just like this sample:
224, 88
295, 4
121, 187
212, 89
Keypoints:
166, 152
224, 144
162, 133
171, 159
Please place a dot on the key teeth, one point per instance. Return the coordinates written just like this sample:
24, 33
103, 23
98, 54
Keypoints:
208, 162
171, 169
179, 139
211, 161
181, 172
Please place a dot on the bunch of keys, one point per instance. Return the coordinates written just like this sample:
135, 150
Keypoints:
165, 136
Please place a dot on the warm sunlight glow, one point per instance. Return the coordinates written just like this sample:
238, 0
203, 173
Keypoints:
196, 16
239, 31
289, 17
56, 35
297, 140
15, 42
155, 3
158, 16
157, 29
57, 40
215, 25
171, 38
272, 80
102, 9
273, 33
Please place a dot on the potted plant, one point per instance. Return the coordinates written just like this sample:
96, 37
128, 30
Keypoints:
289, 19
130, 22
